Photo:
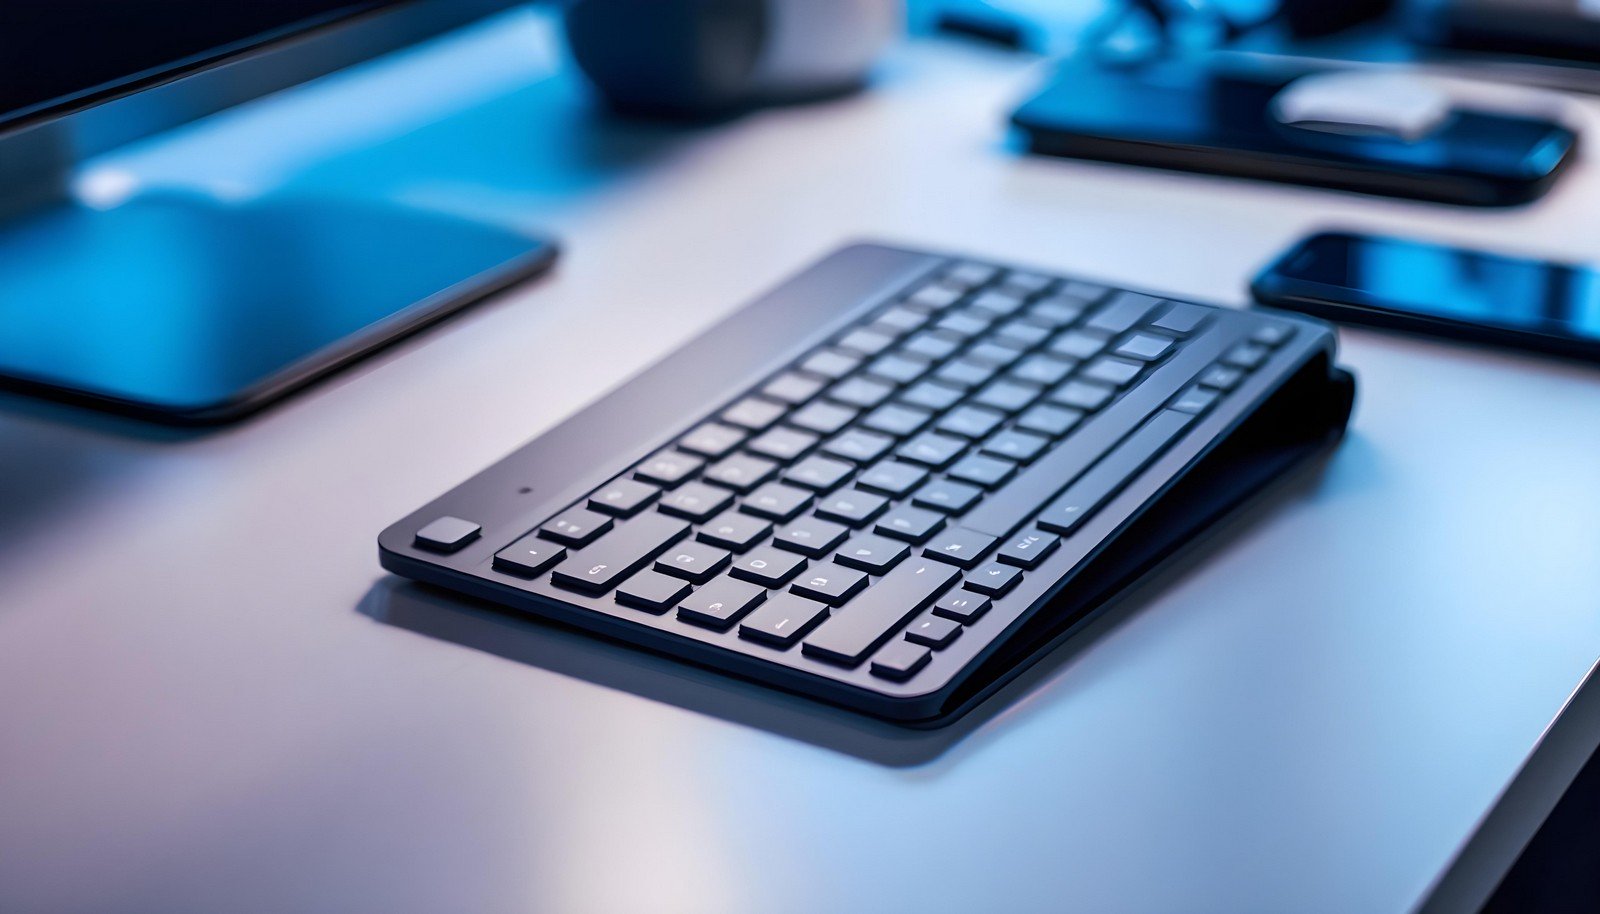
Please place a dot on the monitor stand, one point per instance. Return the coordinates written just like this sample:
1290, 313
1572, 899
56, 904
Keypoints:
191, 309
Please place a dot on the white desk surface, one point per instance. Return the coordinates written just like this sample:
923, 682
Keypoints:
212, 699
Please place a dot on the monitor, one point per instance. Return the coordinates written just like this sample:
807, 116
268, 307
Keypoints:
188, 309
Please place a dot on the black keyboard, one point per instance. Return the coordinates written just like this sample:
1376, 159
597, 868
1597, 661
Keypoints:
868, 484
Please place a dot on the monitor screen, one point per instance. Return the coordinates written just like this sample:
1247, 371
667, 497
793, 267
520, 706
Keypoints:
59, 54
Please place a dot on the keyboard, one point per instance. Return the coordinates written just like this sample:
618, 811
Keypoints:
892, 482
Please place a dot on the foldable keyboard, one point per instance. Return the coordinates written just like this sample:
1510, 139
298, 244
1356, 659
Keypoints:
894, 481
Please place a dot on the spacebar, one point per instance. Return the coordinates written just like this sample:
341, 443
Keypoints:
868, 620
1031, 490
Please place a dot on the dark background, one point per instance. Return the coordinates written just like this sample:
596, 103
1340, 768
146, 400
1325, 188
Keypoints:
52, 49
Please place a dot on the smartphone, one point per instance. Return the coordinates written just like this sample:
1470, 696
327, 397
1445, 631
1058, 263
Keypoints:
1217, 115
1439, 291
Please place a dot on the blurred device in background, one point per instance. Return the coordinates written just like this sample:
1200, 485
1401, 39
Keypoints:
694, 58
187, 307
1439, 291
1544, 28
1221, 115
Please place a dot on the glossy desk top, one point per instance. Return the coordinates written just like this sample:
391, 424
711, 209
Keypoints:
211, 699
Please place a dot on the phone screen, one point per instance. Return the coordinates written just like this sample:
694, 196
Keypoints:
1434, 281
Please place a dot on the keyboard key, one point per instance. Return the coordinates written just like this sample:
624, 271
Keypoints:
879, 612
963, 324
1082, 395
965, 373
893, 478
929, 347
652, 592
1028, 548
1144, 346
741, 472
931, 396
962, 606
1123, 311
623, 497
1042, 369
994, 579
1057, 312
1117, 372
733, 529
852, 507
900, 661
947, 495
894, 419
1247, 356
575, 527
865, 342
970, 275
1195, 400
830, 584
1015, 445
897, 368
979, 470
810, 536
783, 444
971, 421
782, 620
899, 321
1027, 283
822, 418
999, 302
793, 389
1077, 345
1272, 335
720, 604
694, 562
754, 414
776, 501
598, 567
1106, 478
830, 364
932, 449
1023, 334
914, 525
935, 297
993, 355
1221, 377
1006, 396
1049, 420
862, 393
529, 556
859, 446
933, 631
447, 534
959, 546
712, 440
871, 552
696, 501
820, 474
668, 468
1086, 292
768, 567
1181, 319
